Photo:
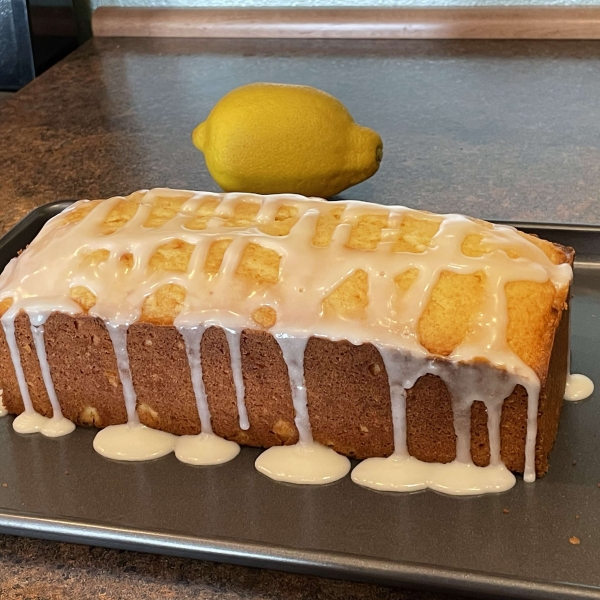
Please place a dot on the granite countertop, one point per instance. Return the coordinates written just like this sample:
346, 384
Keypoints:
499, 130
40, 570
495, 129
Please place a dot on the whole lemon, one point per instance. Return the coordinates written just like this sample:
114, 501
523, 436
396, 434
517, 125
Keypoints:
270, 138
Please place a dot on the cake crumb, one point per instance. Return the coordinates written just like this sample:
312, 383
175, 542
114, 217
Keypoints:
577, 516
66, 472
5, 485
505, 511
574, 540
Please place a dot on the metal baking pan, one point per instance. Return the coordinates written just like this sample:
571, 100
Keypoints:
511, 545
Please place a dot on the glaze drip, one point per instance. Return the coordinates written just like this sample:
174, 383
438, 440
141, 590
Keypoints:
293, 350
30, 421
8, 324
192, 336
578, 387
118, 336
466, 384
234, 339
205, 448
58, 425
133, 442
407, 474
306, 462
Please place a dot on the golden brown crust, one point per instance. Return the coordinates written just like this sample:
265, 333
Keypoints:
533, 308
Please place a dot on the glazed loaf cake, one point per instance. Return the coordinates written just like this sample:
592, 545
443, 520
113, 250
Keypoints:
442, 337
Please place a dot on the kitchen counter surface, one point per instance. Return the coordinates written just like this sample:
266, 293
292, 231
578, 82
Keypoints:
499, 130
40, 570
506, 130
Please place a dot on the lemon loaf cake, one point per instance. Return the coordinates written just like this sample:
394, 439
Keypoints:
369, 330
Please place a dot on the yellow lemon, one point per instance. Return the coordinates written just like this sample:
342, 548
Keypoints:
270, 138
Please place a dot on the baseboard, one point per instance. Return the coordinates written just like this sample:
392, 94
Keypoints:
534, 22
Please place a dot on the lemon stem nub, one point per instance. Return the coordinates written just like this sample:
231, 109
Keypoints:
199, 135
378, 153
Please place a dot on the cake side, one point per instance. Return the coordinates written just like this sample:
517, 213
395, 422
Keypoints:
348, 392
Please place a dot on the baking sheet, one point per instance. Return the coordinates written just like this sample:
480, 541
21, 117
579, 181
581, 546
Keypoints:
61, 489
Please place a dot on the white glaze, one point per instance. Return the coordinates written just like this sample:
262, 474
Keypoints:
33, 422
402, 370
57, 426
407, 474
192, 336
578, 387
133, 442
223, 300
308, 464
8, 323
29, 422
234, 339
118, 336
138, 443
292, 350
205, 449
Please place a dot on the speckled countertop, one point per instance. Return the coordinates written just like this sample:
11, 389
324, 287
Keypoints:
505, 130
495, 129
40, 570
